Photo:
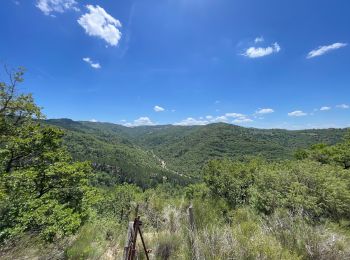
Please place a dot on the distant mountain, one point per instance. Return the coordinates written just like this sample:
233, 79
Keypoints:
149, 154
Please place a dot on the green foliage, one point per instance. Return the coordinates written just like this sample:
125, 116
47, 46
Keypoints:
338, 154
198, 190
320, 191
41, 189
231, 180
119, 202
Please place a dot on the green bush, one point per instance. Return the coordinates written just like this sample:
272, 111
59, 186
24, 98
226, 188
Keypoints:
318, 190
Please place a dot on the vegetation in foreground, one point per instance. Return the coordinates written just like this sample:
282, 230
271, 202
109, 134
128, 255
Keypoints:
55, 208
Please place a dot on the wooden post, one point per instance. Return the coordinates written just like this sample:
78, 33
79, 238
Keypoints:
130, 235
192, 233
129, 238
191, 218
136, 228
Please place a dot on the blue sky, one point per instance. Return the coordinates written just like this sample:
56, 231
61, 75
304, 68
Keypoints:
266, 64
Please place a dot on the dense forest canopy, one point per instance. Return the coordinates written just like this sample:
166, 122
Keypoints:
140, 151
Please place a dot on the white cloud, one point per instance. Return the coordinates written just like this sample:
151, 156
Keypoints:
94, 65
297, 113
97, 22
219, 119
325, 108
242, 120
140, 122
259, 52
58, 6
263, 111
324, 49
238, 119
343, 106
259, 39
192, 121
158, 109
234, 115
93, 120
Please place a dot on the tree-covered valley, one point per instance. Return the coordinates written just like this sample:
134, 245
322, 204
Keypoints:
180, 151
68, 189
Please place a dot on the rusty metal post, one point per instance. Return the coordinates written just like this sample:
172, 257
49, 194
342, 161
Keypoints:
133, 248
144, 245
130, 244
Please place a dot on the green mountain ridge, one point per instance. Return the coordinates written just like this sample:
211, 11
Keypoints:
174, 152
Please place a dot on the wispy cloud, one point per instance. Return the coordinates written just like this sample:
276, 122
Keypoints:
144, 120
158, 109
58, 6
219, 119
192, 121
325, 108
258, 52
94, 65
264, 111
297, 113
97, 22
343, 106
325, 49
236, 117
259, 39
242, 120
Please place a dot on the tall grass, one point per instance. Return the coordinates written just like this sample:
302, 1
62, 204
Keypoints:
96, 240
219, 234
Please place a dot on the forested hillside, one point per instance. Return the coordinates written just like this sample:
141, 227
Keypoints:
115, 155
167, 149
